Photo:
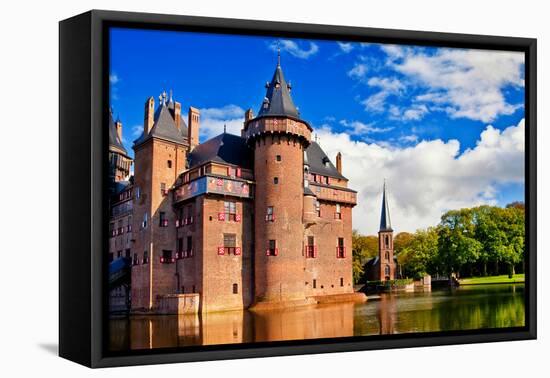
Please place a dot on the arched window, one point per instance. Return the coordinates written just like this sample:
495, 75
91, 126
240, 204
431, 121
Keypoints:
387, 241
387, 270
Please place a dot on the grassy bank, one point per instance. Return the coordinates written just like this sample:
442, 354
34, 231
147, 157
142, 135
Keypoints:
517, 278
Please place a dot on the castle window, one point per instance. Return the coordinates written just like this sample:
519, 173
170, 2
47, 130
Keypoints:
189, 249
144, 223
163, 190
270, 217
229, 243
318, 208
387, 271
169, 163
163, 222
235, 288
387, 255
179, 249
311, 248
230, 210
166, 257
145, 257
314, 283
112, 231
138, 192
327, 180
278, 157
338, 212
340, 249
387, 241
119, 254
341, 281
135, 260
189, 219
275, 180
272, 248
128, 253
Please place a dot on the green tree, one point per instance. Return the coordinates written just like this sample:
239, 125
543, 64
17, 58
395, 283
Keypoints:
456, 240
364, 248
418, 257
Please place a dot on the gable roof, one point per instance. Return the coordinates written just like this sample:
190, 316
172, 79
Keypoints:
114, 141
319, 162
224, 148
164, 126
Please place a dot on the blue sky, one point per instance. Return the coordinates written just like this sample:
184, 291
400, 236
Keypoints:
368, 99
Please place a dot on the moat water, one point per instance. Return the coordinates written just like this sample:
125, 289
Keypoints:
467, 307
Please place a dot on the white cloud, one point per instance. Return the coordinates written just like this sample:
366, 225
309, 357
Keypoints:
346, 47
387, 86
464, 83
137, 130
294, 48
428, 178
113, 78
360, 128
213, 121
414, 113
358, 71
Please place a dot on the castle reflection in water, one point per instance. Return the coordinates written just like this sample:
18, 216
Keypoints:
484, 306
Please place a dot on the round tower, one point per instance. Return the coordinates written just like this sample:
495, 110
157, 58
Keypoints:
279, 138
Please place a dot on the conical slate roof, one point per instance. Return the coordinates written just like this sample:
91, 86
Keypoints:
114, 141
385, 221
277, 100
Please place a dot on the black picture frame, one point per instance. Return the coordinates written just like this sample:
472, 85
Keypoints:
83, 88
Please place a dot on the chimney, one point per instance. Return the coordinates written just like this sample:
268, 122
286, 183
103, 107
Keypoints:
118, 125
149, 118
193, 124
248, 115
177, 114
339, 162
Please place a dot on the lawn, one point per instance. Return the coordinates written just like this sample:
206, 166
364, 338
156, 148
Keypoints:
517, 278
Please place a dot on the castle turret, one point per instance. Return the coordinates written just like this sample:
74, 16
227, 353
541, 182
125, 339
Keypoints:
279, 137
119, 161
160, 154
385, 241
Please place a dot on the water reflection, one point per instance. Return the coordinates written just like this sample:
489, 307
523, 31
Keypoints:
469, 307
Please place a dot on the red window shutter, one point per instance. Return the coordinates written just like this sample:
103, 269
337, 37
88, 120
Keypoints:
237, 217
315, 251
228, 171
221, 251
219, 182
276, 251
221, 216
237, 251
267, 252
238, 172
344, 252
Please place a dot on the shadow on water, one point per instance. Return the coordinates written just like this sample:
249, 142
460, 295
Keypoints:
468, 307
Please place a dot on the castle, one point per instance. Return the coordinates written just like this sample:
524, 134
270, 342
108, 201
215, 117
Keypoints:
259, 220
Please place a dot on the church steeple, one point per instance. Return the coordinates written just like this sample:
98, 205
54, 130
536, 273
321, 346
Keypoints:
385, 220
277, 101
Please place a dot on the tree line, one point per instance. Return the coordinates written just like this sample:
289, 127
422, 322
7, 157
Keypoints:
478, 241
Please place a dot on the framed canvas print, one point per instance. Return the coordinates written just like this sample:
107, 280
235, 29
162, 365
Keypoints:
233, 188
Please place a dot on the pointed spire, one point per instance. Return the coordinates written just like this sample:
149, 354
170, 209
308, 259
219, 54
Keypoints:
278, 54
277, 101
385, 220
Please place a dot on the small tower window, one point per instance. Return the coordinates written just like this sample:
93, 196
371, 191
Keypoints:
275, 180
235, 288
169, 163
318, 208
387, 241
278, 158
272, 248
